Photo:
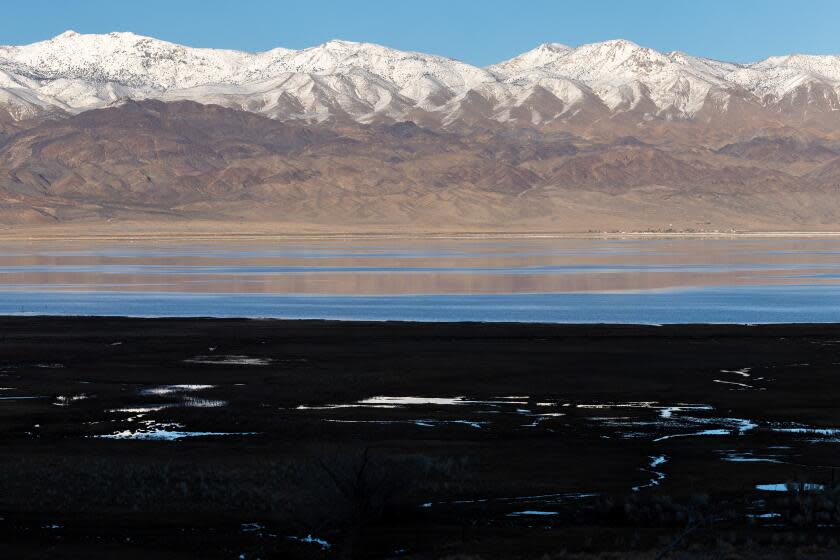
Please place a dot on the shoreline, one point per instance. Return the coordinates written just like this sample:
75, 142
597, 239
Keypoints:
422, 325
420, 236
419, 324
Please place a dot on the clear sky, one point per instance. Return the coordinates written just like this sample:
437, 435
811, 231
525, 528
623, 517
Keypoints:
477, 31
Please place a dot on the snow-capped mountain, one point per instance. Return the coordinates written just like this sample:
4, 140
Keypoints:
624, 75
363, 82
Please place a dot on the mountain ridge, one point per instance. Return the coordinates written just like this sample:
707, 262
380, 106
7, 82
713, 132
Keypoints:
610, 136
364, 82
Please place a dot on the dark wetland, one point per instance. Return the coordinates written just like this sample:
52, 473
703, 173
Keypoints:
223, 438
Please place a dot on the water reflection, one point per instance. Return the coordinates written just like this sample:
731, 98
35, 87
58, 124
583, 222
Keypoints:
417, 267
537, 280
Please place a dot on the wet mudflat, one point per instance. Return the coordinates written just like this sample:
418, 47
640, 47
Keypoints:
279, 439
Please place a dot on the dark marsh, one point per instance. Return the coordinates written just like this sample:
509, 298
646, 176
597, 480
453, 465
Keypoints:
216, 438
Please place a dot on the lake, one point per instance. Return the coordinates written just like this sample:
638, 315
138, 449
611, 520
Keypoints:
740, 280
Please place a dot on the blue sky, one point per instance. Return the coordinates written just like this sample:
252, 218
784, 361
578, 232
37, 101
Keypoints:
477, 31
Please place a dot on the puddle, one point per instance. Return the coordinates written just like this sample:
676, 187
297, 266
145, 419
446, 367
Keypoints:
540, 418
158, 431
62, 400
665, 411
791, 487
656, 461
469, 423
251, 527
742, 424
651, 420
339, 406
532, 512
809, 431
196, 402
174, 389
545, 498
504, 404
716, 432
732, 426
748, 457
768, 515
670, 418
232, 360
421, 423
446, 401
640, 404
740, 386
143, 409
186, 402
385, 402
165, 434
668, 411
658, 477
550, 497
743, 372
309, 539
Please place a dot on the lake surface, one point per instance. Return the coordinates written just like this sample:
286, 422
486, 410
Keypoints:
547, 280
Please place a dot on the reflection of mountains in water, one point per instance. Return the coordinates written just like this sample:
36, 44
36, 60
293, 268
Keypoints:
419, 268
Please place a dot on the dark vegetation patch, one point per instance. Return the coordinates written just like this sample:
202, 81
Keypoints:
418, 480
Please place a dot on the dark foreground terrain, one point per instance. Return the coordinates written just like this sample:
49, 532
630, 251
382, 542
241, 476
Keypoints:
131, 438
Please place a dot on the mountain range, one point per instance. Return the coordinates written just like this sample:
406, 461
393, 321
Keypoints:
358, 136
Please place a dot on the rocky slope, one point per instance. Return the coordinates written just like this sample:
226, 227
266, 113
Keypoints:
183, 161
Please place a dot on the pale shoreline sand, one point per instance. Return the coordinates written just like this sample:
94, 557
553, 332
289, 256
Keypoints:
44, 234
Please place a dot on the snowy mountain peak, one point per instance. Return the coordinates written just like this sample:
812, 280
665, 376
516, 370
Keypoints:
67, 34
545, 54
344, 44
553, 48
74, 72
619, 51
826, 66
620, 44
122, 58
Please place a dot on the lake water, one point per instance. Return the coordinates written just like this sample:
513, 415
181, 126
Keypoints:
552, 280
